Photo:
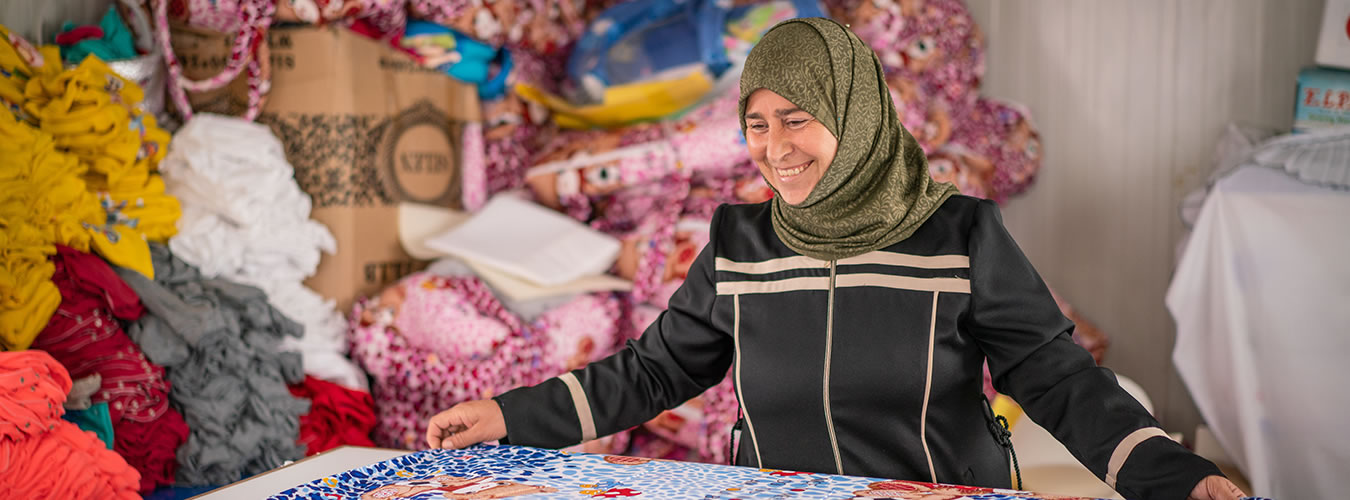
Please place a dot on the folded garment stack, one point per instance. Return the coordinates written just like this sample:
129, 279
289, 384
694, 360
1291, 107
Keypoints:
86, 336
246, 220
45, 456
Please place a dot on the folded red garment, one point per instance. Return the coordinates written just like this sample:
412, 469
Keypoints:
337, 416
86, 338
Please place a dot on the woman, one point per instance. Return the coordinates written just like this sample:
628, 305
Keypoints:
856, 308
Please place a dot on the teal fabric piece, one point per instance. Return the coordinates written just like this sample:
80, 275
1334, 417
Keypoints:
95, 419
117, 43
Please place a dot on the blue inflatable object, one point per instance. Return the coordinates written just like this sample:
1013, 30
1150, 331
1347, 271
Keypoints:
641, 39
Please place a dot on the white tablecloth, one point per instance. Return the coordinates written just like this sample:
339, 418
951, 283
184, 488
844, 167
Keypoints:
1261, 299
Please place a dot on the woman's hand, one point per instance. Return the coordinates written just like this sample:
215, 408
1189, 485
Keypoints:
1216, 488
466, 424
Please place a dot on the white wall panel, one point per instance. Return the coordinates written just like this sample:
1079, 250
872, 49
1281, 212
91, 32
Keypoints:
1129, 98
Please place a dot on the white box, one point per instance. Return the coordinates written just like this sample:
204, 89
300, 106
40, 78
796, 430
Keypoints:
1333, 46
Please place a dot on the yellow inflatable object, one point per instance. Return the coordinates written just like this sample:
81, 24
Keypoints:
624, 104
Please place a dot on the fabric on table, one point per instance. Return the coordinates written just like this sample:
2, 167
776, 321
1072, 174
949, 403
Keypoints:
509, 471
86, 337
220, 344
45, 456
246, 220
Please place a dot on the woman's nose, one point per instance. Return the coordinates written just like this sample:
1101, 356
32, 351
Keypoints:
779, 145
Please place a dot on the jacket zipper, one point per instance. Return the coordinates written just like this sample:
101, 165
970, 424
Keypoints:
829, 345
745, 412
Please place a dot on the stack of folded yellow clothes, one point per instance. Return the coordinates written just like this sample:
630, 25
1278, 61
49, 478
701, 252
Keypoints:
78, 167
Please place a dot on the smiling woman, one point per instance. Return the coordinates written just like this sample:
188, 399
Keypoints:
791, 148
855, 311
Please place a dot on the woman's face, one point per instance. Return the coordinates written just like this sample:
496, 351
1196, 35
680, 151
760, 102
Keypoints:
791, 148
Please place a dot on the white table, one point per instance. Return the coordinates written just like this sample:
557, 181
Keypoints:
334, 461
1261, 298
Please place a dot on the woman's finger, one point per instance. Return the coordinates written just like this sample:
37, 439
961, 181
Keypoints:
445, 424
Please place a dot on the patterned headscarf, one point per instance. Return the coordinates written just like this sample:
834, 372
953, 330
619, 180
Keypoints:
877, 190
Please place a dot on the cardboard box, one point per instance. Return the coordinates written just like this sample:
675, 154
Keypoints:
365, 128
1323, 99
1333, 45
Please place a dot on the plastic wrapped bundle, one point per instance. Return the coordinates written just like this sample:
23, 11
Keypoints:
580, 170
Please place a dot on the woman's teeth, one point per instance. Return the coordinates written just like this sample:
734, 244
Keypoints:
789, 172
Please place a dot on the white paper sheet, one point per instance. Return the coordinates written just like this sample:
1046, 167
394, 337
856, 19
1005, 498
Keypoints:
529, 241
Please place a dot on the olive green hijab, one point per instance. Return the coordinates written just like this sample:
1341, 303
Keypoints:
877, 190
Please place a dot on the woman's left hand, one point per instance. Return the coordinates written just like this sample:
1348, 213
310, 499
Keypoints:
1216, 488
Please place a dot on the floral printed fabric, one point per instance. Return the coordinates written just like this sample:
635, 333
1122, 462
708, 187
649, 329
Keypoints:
511, 471
432, 341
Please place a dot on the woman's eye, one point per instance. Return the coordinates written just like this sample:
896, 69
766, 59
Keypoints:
796, 123
758, 127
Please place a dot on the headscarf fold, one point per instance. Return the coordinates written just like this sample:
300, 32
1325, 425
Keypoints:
877, 191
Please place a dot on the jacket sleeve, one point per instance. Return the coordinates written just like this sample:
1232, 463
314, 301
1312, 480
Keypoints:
1032, 358
677, 358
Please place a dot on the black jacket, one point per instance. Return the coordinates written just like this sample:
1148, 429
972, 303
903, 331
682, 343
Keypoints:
871, 365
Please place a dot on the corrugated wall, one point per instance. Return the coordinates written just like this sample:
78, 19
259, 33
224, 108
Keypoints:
1129, 98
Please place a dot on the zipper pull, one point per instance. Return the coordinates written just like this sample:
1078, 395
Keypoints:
735, 441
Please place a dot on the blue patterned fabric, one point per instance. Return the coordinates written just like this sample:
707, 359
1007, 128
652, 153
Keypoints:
512, 471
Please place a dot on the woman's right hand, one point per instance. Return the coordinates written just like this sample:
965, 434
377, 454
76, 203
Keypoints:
466, 424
